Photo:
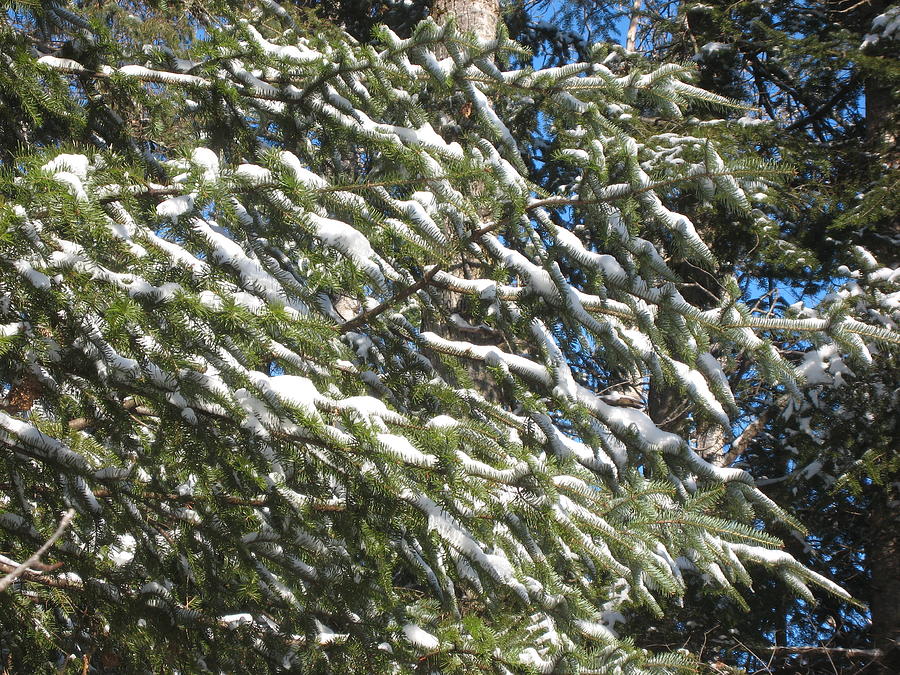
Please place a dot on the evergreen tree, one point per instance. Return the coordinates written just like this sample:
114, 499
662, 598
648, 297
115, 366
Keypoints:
838, 467
230, 238
824, 78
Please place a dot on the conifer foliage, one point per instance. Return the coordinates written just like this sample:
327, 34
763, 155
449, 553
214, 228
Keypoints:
227, 246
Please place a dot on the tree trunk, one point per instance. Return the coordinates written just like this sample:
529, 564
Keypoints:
883, 556
880, 106
479, 17
883, 542
472, 16
631, 39
881, 100
667, 404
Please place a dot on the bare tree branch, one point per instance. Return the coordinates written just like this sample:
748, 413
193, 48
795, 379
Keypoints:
35, 558
742, 442
807, 649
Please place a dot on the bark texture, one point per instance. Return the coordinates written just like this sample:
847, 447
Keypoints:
883, 554
881, 105
472, 16
883, 541
481, 18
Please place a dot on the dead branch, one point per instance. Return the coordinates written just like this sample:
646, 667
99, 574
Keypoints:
6, 581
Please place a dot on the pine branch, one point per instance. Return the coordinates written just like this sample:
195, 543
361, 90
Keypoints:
825, 107
382, 307
44, 579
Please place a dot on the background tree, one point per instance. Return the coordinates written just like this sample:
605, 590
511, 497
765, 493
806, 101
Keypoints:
827, 76
824, 79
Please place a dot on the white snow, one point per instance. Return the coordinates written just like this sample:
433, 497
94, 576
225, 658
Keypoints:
603, 262
10, 329
442, 422
207, 160
400, 447
292, 53
712, 48
175, 207
234, 620
699, 389
824, 365
35, 278
302, 174
122, 552
530, 657
296, 390
885, 26
57, 63
253, 174
348, 240
70, 163
162, 76
420, 637
327, 636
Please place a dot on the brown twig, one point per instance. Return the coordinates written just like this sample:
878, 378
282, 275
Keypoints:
368, 315
6, 581
740, 444
811, 649
44, 579
81, 423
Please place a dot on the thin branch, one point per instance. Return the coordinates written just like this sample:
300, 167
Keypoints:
754, 655
844, 651
566, 201
81, 423
368, 315
35, 558
45, 579
742, 442
854, 6
824, 108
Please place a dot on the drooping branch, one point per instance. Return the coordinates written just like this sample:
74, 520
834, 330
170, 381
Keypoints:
368, 315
